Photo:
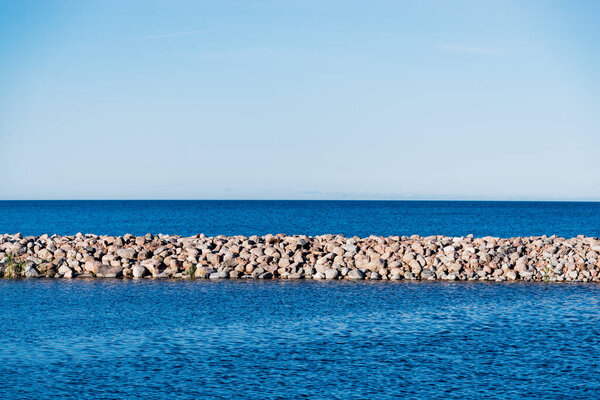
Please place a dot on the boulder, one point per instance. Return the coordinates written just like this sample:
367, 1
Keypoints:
31, 272
153, 266
356, 274
65, 271
139, 271
331, 274
126, 253
108, 271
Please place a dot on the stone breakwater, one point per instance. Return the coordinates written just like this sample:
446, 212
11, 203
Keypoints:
328, 257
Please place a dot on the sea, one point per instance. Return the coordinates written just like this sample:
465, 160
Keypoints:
349, 218
167, 339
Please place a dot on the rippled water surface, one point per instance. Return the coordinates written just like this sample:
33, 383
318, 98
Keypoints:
318, 340
361, 218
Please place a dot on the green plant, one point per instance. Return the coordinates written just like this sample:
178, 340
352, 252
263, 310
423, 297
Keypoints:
190, 271
13, 267
547, 271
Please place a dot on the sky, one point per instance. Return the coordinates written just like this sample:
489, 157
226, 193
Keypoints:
427, 99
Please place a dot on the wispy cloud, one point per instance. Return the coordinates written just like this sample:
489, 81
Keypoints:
172, 34
465, 49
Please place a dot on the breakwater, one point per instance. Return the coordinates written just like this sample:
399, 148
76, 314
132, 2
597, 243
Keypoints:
327, 257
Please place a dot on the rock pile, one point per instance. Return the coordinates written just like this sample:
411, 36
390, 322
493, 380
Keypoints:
327, 257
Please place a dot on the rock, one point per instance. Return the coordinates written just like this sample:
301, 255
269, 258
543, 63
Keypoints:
427, 273
321, 268
356, 274
65, 270
139, 271
376, 265
526, 274
319, 276
219, 275
107, 271
374, 276
521, 264
362, 260
481, 273
331, 274
350, 248
92, 266
152, 265
511, 275
45, 254
201, 272
449, 249
126, 253
144, 254
31, 272
417, 248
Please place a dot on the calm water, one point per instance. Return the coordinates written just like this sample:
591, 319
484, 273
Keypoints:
362, 218
189, 340
257, 340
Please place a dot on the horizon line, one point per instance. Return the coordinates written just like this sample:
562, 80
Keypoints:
347, 200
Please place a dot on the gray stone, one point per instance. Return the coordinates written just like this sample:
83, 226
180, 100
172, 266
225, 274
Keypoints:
219, 275
31, 272
356, 274
65, 271
126, 253
107, 271
427, 273
331, 274
139, 271
374, 276
526, 274
152, 265
319, 276
92, 266
481, 273
350, 248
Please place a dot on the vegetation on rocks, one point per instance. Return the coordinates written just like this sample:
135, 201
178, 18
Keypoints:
190, 271
12, 267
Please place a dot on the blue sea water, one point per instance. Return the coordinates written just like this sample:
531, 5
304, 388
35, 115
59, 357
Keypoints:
119, 339
361, 218
116, 339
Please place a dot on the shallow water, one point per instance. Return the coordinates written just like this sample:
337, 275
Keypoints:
157, 340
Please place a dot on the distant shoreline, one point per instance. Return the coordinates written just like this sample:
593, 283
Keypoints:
325, 257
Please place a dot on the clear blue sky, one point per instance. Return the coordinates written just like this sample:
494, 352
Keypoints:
425, 99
